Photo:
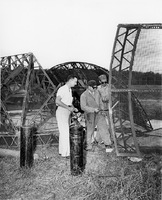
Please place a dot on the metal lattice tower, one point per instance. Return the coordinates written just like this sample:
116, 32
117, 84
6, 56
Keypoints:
126, 112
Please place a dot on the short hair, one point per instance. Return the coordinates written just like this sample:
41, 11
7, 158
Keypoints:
103, 77
92, 83
71, 76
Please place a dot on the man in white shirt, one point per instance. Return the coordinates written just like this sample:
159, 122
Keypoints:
64, 101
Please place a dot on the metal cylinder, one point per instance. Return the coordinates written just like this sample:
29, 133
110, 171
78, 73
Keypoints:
26, 146
76, 149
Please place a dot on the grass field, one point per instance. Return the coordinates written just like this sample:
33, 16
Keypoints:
106, 177
153, 108
151, 101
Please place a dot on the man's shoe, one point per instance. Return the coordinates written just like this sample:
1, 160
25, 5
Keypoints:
89, 148
109, 148
66, 157
95, 142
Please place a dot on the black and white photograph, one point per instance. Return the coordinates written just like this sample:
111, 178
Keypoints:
81, 100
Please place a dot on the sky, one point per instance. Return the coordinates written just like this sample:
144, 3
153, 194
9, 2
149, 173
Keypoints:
59, 31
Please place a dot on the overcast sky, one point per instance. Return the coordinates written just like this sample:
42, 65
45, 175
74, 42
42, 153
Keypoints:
59, 31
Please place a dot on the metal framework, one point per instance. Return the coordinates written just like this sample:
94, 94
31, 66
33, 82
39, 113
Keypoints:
126, 113
26, 78
22, 75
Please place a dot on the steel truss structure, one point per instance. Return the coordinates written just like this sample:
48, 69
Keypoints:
23, 76
125, 111
28, 79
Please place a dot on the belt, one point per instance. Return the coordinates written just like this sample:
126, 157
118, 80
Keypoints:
62, 107
67, 105
103, 112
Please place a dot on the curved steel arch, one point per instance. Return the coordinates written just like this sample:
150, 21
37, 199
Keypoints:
77, 67
124, 130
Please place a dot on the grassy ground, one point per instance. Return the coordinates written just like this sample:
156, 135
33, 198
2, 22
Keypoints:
153, 108
152, 104
105, 177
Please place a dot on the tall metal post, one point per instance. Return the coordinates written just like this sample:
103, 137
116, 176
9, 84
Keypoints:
26, 133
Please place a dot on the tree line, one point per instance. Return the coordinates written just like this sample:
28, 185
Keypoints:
143, 78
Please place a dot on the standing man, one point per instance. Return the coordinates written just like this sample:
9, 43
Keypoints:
88, 103
64, 101
103, 122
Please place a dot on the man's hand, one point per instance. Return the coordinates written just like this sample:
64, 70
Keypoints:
96, 110
72, 109
105, 99
75, 110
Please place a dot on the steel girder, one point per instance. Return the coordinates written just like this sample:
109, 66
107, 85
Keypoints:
126, 113
84, 72
23, 76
